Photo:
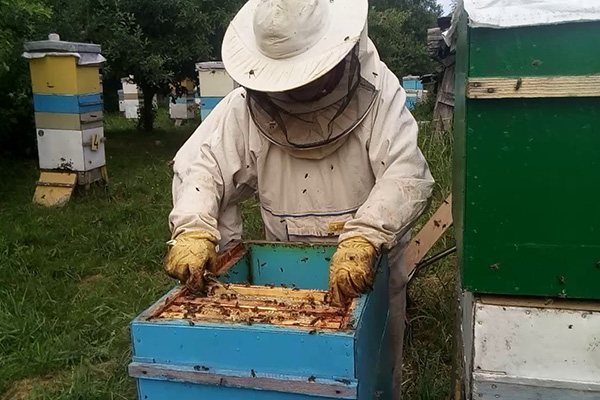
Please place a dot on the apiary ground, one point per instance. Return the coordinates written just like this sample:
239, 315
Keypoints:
72, 284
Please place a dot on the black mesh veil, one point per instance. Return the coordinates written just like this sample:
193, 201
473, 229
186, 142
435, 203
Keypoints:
301, 125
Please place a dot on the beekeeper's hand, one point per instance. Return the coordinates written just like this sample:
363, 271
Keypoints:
351, 272
191, 253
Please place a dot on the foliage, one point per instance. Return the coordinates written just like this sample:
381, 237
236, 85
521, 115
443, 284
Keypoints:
423, 14
429, 340
399, 30
19, 19
153, 40
159, 42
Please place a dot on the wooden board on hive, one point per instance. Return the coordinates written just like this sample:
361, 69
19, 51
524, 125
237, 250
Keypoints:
54, 189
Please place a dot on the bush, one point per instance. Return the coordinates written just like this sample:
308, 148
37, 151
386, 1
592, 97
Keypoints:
19, 21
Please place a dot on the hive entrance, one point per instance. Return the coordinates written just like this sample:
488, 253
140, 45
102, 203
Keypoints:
247, 304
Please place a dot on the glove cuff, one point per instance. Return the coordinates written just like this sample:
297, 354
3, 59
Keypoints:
358, 242
197, 235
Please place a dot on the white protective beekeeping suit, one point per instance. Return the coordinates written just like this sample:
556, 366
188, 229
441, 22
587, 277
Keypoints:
372, 181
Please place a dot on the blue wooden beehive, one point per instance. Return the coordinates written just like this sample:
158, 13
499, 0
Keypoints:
266, 332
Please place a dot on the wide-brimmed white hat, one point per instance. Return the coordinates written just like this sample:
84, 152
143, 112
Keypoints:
279, 45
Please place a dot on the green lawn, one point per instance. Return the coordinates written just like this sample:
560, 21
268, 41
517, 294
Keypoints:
72, 279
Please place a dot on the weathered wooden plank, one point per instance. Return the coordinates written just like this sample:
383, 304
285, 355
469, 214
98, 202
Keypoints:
319, 296
202, 375
428, 236
534, 87
487, 386
229, 256
54, 189
533, 302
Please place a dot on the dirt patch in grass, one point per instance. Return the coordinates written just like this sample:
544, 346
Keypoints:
20, 390
91, 279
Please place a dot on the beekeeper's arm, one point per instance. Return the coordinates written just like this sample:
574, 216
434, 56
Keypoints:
402, 189
214, 171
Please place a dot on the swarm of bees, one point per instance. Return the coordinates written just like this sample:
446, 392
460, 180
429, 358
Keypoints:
248, 305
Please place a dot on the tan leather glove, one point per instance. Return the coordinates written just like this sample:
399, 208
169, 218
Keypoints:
190, 255
351, 272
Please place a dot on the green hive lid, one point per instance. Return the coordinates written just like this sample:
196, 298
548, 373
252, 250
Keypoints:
56, 45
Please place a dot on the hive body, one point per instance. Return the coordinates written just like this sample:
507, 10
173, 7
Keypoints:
182, 105
215, 83
527, 148
265, 341
68, 104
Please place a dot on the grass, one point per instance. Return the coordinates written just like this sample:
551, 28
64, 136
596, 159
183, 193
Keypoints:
72, 279
429, 346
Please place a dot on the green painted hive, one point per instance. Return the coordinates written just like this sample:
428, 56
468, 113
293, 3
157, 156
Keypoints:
527, 160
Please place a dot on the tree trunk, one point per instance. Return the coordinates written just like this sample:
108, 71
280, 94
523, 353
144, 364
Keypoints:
147, 111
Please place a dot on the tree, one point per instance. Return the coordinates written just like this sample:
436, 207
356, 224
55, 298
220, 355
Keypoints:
399, 30
154, 40
19, 20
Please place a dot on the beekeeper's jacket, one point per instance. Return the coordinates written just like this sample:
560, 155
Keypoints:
374, 183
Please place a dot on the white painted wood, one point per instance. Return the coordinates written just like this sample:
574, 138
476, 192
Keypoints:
131, 108
60, 149
488, 386
131, 112
93, 158
182, 111
70, 149
560, 345
128, 87
215, 83
466, 307
132, 102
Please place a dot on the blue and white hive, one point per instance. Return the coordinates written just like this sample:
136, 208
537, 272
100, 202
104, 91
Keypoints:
182, 103
266, 332
215, 83
415, 93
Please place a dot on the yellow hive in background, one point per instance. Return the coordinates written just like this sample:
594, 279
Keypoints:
188, 84
72, 79
67, 99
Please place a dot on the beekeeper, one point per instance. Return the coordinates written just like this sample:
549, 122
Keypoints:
319, 129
